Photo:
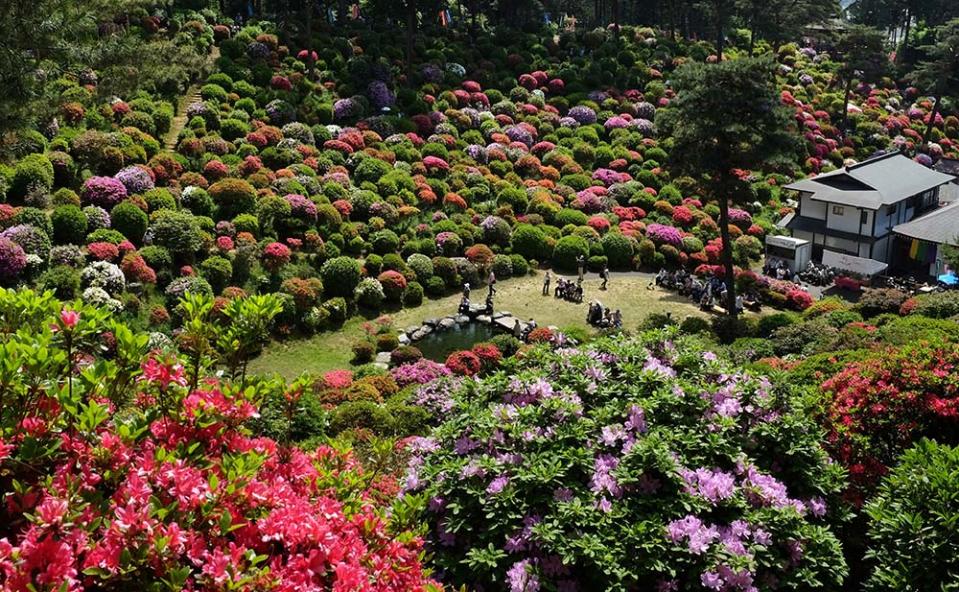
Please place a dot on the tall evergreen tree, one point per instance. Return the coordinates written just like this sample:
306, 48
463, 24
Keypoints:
725, 117
863, 55
938, 75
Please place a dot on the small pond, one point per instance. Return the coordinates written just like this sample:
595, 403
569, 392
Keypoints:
438, 345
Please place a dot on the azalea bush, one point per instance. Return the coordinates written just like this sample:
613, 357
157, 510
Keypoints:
879, 406
627, 463
117, 469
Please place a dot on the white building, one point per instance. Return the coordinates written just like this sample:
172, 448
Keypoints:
853, 210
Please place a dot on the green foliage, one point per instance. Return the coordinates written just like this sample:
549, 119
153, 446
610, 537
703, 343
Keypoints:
913, 540
130, 220
69, 225
178, 232
340, 276
567, 250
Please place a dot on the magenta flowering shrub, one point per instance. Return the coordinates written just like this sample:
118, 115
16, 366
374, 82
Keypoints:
422, 371
630, 464
664, 235
136, 179
105, 192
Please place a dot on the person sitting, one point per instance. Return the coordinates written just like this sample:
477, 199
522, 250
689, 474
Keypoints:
464, 305
657, 280
739, 303
617, 318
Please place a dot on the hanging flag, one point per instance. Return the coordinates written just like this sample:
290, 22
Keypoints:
443, 21
356, 11
330, 15
913, 249
449, 16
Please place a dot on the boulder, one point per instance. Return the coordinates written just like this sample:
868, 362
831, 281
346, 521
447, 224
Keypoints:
421, 333
431, 322
383, 358
501, 314
462, 319
484, 319
404, 339
446, 324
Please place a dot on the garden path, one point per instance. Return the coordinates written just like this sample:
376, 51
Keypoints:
192, 95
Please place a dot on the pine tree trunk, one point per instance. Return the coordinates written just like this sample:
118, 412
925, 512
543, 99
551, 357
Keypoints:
727, 253
932, 120
720, 15
844, 117
311, 63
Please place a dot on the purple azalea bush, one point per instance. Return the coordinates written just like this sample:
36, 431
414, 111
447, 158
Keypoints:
135, 179
12, 260
105, 192
582, 115
664, 235
629, 464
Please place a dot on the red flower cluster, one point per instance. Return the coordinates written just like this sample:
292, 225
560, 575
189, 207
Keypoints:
880, 405
464, 363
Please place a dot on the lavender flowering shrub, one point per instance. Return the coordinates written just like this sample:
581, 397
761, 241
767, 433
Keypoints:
630, 464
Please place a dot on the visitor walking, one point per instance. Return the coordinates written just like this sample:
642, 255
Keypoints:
581, 266
492, 282
546, 281
466, 290
605, 275
517, 330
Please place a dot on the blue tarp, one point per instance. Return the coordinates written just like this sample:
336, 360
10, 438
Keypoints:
949, 279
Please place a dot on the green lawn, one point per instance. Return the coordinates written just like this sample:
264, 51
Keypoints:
331, 350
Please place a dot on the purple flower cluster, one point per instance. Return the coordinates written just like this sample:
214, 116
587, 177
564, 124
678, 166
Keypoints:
280, 112
644, 126
738, 216
136, 179
257, 51
105, 192
582, 115
610, 177
712, 485
380, 95
616, 122
12, 260
664, 235
521, 577
645, 110
518, 133
345, 109
301, 206
425, 371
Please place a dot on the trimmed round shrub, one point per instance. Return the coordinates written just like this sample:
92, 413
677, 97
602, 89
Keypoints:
413, 296
385, 241
12, 261
341, 275
233, 197
63, 280
190, 284
619, 250
34, 171
421, 265
218, 271
33, 240
912, 539
69, 225
568, 250
530, 242
369, 293
130, 220
178, 232
520, 265
104, 192
394, 284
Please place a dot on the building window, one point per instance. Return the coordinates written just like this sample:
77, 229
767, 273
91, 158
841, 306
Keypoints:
838, 210
892, 209
863, 217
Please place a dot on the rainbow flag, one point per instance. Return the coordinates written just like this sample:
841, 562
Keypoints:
913, 249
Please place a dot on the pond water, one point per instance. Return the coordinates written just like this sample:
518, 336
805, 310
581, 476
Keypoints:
438, 345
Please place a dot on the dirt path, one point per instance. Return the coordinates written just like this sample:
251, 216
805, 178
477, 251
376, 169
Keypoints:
191, 96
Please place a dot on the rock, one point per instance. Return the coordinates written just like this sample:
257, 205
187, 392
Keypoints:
411, 329
501, 314
476, 309
430, 322
507, 323
381, 366
383, 358
484, 319
404, 339
462, 319
421, 333
553, 328
446, 324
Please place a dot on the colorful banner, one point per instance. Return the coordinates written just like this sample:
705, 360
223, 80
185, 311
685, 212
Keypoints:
913, 249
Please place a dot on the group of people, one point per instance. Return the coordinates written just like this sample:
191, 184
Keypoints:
601, 316
522, 333
706, 293
465, 303
566, 289
778, 269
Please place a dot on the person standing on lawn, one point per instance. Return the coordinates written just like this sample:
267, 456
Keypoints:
546, 281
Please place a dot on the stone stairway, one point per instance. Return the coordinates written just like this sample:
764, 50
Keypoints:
193, 96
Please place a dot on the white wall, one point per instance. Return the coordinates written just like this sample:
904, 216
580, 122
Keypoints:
811, 209
849, 220
879, 249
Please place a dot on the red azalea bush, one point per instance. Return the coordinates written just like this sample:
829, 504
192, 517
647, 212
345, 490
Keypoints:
877, 407
489, 355
394, 284
102, 251
174, 492
275, 256
464, 363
